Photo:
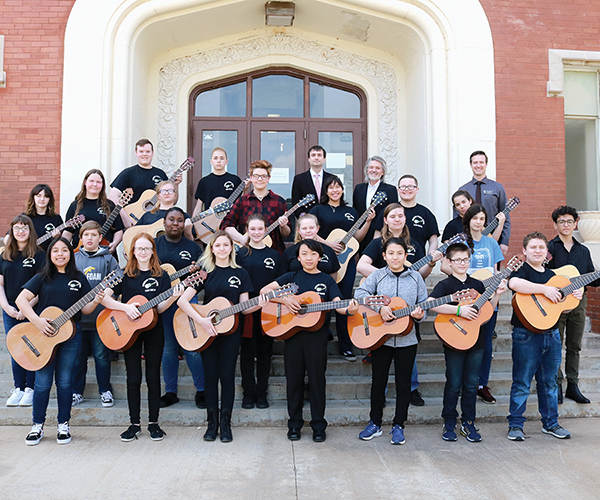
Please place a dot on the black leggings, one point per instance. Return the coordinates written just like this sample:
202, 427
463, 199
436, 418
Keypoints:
261, 347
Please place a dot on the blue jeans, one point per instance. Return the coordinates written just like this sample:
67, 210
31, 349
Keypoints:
62, 365
414, 377
170, 358
90, 339
462, 376
487, 331
535, 354
22, 377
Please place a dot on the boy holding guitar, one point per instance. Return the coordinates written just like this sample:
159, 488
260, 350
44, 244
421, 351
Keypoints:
535, 353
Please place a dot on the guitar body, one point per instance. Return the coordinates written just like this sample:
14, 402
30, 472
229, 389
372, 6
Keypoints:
368, 331
169, 269
31, 348
482, 274
118, 332
278, 322
537, 312
143, 205
210, 225
570, 271
155, 230
349, 252
191, 336
459, 333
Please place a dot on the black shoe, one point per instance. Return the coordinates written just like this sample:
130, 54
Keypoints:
226, 435
212, 425
574, 393
319, 436
170, 398
200, 401
416, 399
248, 402
294, 434
560, 394
156, 433
131, 433
261, 402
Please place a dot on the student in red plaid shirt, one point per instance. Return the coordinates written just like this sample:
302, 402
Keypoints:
262, 201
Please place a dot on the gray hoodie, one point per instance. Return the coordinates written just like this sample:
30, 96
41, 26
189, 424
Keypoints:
95, 267
408, 286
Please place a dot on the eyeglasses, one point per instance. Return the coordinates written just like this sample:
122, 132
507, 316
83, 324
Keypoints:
460, 261
21, 229
563, 222
260, 177
167, 191
407, 188
143, 249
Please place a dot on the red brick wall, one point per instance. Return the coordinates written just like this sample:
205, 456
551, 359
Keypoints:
30, 105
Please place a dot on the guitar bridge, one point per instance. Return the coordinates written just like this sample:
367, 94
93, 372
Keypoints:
279, 314
458, 327
29, 344
365, 324
115, 325
539, 305
193, 328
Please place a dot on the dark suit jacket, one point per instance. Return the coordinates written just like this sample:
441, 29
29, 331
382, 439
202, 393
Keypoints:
359, 202
303, 185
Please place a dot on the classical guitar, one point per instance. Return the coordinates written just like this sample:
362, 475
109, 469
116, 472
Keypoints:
539, 313
279, 322
192, 337
149, 198
118, 332
347, 240
510, 206
33, 349
175, 275
367, 329
210, 224
460, 333
73, 223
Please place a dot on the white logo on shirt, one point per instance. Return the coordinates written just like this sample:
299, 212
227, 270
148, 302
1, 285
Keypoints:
185, 255
100, 211
418, 221
269, 263
321, 288
156, 179
92, 274
74, 286
325, 258
349, 217
150, 285
29, 262
234, 282
228, 186
49, 227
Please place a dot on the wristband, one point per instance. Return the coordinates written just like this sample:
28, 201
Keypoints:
458, 311
431, 263
347, 313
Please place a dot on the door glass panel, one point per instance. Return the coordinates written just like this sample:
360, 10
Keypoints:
279, 148
226, 139
278, 96
339, 160
329, 102
224, 101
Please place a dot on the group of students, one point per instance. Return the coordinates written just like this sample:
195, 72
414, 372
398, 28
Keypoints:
59, 277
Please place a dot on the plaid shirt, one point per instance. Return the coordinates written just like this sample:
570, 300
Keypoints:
271, 208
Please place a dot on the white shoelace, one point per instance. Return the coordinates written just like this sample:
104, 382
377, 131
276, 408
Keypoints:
63, 428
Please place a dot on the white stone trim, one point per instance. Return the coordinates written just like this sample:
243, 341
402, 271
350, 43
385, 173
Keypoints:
558, 60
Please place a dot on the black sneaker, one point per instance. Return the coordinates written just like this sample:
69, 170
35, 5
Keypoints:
156, 433
416, 399
200, 400
261, 402
35, 435
248, 402
348, 356
131, 433
63, 436
170, 398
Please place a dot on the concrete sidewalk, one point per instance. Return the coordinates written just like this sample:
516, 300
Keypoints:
262, 463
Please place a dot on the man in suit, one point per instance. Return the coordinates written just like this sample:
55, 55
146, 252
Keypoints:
313, 180
375, 170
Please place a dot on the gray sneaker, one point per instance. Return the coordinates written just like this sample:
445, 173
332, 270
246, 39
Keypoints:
557, 431
516, 434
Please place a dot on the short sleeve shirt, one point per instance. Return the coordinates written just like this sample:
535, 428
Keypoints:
139, 179
528, 273
329, 263
216, 186
19, 271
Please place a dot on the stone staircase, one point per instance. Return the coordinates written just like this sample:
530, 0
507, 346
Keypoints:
348, 388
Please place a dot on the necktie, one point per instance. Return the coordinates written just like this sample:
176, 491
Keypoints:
478, 192
318, 186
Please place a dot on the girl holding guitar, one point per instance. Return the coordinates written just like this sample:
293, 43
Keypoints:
19, 262
333, 213
262, 263
60, 284
143, 276
225, 279
41, 210
91, 201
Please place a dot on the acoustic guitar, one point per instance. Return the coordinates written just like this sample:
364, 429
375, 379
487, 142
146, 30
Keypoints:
149, 198
347, 240
175, 275
192, 337
460, 333
32, 349
367, 329
210, 224
118, 332
280, 323
539, 313
510, 206
73, 223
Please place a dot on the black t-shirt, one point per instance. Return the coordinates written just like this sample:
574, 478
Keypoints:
180, 254
263, 265
374, 250
92, 210
331, 218
150, 218
62, 292
454, 227
528, 273
226, 282
421, 223
214, 186
19, 271
451, 285
139, 179
44, 224
329, 263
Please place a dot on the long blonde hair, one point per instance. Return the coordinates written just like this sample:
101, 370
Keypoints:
312, 217
131, 269
208, 261
386, 234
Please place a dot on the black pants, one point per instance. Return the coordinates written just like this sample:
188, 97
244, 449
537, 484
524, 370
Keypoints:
346, 287
260, 346
306, 352
381, 360
219, 361
153, 342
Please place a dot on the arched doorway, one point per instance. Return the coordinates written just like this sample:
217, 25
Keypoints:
277, 114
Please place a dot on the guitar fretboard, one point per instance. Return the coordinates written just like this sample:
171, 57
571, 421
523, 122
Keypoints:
428, 258
429, 304
275, 224
358, 224
48, 235
579, 282
337, 304
491, 227
111, 218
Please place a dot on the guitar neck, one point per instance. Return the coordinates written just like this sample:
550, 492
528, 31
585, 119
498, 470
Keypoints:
336, 304
357, 225
236, 194
181, 272
202, 215
491, 227
429, 304
275, 224
242, 306
579, 282
156, 300
78, 306
111, 218
428, 258
48, 235
491, 285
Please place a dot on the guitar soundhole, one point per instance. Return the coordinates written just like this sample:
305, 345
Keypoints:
303, 309
148, 206
216, 319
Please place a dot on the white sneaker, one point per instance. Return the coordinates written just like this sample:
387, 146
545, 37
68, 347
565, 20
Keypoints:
27, 399
35, 435
15, 397
63, 436
107, 399
77, 398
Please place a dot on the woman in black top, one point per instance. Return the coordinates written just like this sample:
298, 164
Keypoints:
19, 262
225, 279
92, 203
143, 276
